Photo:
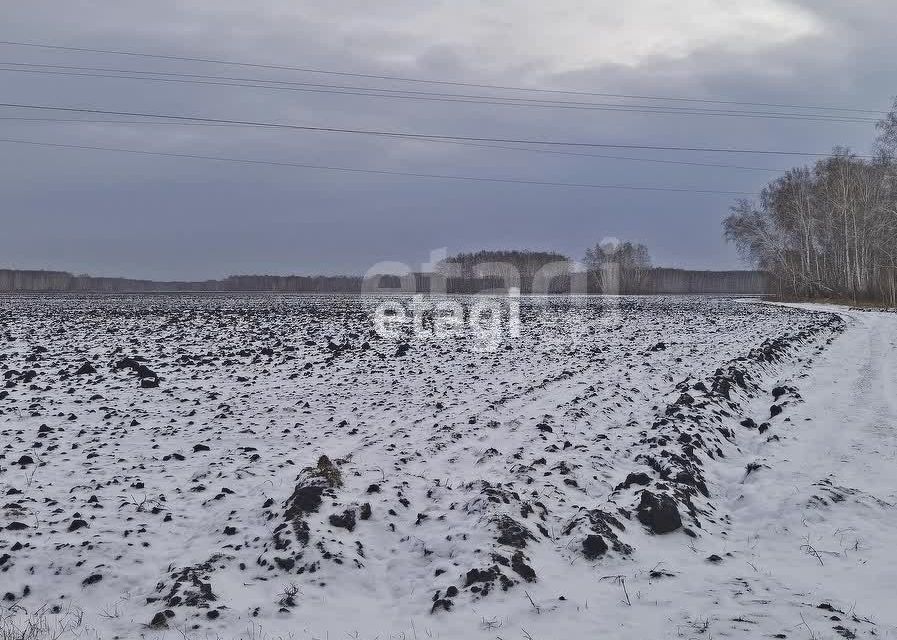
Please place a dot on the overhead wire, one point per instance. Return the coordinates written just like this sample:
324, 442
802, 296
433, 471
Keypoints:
453, 142
427, 96
409, 135
385, 172
394, 78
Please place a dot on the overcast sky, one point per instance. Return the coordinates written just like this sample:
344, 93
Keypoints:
110, 213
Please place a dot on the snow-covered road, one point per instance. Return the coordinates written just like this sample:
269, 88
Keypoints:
809, 546
821, 521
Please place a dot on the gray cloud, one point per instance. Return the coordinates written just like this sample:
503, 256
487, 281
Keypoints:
109, 213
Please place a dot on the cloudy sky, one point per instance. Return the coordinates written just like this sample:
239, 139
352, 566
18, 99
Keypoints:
116, 213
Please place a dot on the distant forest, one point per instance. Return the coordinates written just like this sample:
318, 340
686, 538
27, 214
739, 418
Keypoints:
621, 268
828, 230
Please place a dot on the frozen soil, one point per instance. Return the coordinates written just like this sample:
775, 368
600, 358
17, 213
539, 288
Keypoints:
266, 467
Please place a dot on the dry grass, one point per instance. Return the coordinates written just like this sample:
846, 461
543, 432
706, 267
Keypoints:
17, 623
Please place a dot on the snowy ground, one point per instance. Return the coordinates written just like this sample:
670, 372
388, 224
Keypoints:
267, 467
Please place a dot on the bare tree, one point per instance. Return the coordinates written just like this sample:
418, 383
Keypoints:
829, 230
631, 263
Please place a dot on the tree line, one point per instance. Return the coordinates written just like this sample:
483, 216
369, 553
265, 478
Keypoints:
612, 268
828, 230
60, 281
528, 271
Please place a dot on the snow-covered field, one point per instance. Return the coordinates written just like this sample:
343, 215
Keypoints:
268, 467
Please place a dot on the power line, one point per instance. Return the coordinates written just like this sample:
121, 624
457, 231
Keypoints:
426, 96
202, 79
406, 135
426, 81
378, 171
464, 144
